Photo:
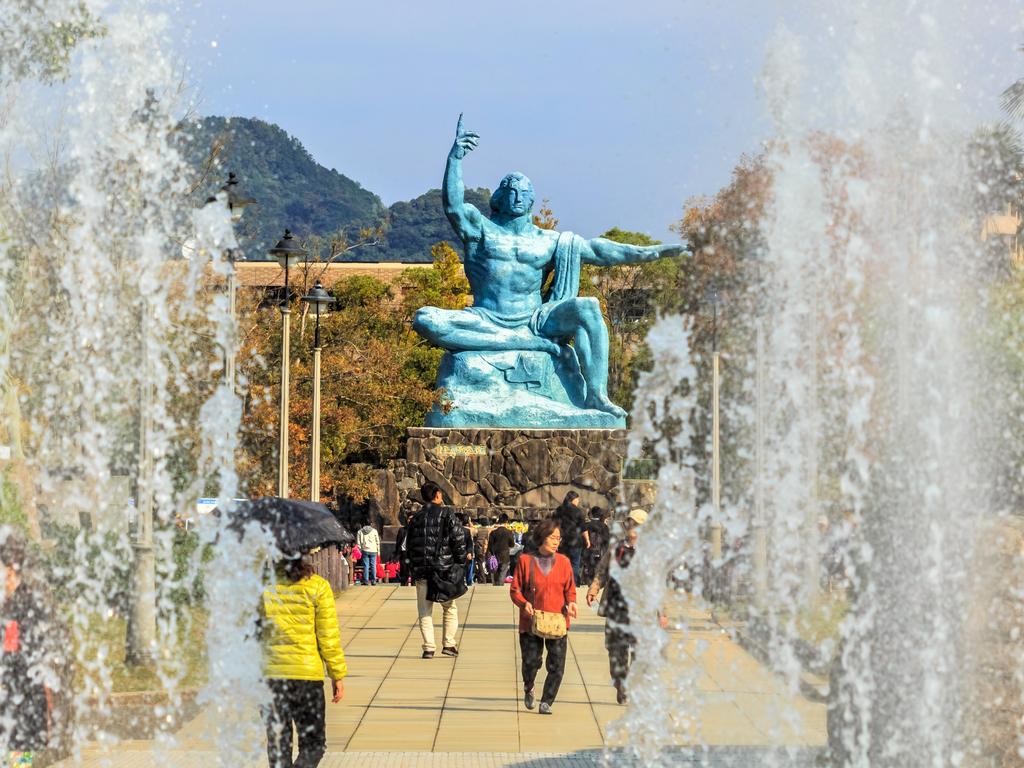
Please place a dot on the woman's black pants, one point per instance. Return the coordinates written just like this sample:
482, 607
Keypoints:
532, 648
300, 702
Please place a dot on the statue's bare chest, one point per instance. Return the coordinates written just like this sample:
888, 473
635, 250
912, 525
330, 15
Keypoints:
528, 251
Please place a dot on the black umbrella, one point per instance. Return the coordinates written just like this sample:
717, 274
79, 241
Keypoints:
297, 526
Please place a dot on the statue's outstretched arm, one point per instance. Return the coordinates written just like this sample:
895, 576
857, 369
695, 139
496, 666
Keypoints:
608, 253
465, 219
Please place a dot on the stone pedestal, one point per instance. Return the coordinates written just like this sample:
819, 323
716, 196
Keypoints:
525, 472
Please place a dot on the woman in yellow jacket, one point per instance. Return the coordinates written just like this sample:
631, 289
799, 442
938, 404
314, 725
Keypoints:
300, 635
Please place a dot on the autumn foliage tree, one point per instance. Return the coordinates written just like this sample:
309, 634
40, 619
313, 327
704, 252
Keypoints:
378, 378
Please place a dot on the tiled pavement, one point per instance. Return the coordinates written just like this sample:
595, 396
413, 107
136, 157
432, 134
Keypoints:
402, 710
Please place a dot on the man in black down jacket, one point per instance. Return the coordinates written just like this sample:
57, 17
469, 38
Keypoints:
436, 542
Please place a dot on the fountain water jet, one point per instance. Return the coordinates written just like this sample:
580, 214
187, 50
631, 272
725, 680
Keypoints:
121, 375
881, 397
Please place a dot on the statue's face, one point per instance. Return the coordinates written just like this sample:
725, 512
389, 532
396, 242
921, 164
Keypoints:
514, 196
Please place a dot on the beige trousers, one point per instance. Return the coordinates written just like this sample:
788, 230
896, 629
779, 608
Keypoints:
449, 617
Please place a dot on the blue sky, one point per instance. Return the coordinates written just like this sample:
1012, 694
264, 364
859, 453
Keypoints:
618, 111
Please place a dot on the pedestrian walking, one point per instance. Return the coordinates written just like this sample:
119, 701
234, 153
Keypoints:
545, 591
299, 628
27, 657
569, 518
369, 544
500, 544
467, 526
480, 556
598, 537
618, 637
401, 543
437, 554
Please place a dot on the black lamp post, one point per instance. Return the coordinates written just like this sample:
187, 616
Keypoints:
287, 252
237, 203
319, 302
713, 298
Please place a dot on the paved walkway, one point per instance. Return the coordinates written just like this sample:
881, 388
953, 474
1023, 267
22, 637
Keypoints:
467, 711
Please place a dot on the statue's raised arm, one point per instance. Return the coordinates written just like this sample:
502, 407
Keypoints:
464, 217
608, 253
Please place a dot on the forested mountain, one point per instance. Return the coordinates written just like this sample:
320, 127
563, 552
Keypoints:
293, 191
415, 225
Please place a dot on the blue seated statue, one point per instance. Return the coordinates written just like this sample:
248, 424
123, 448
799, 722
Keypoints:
509, 360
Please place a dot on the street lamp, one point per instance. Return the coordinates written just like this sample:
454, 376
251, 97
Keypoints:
140, 635
760, 523
237, 203
287, 252
140, 638
319, 302
714, 299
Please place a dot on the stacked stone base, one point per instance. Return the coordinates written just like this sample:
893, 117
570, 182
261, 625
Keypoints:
524, 472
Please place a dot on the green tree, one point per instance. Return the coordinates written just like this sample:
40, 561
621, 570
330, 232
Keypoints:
630, 297
443, 284
1013, 99
36, 41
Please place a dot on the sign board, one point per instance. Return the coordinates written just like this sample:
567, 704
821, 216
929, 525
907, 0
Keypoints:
444, 451
206, 505
5, 453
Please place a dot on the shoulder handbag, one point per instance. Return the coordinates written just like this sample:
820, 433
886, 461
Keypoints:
446, 584
546, 624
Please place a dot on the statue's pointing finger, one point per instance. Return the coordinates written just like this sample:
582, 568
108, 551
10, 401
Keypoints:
461, 132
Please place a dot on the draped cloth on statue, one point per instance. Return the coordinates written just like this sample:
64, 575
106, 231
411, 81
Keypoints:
565, 286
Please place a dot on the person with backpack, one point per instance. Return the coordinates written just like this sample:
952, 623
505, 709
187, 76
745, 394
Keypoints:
598, 536
299, 629
369, 544
619, 639
480, 555
436, 547
569, 518
500, 544
545, 591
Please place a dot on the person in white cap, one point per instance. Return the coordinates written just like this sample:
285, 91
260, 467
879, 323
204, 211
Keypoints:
618, 639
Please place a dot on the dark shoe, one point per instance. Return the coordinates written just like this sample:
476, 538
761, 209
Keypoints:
428, 654
528, 701
621, 697
451, 651
545, 708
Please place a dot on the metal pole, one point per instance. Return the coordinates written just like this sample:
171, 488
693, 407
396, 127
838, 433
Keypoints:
232, 352
812, 564
716, 456
282, 466
760, 529
715, 532
140, 642
314, 458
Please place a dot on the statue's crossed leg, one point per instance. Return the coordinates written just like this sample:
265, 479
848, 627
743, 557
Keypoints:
460, 330
578, 319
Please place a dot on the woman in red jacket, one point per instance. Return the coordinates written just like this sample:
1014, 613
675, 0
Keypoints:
543, 582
